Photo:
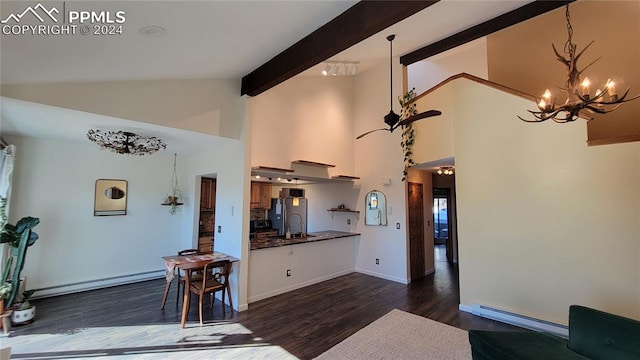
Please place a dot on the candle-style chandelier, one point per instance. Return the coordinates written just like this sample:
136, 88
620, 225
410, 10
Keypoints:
578, 92
124, 142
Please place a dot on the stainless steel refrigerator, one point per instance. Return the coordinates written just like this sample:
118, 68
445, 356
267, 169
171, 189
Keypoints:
289, 213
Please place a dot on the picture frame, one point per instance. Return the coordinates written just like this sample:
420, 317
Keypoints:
110, 197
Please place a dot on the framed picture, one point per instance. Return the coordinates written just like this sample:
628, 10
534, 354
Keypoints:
110, 197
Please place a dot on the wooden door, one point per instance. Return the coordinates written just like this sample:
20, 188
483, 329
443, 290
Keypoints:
416, 230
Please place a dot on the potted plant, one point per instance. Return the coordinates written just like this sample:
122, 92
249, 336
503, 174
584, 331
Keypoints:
5, 290
19, 237
23, 312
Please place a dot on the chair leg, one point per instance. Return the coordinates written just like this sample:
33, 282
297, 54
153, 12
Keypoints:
166, 292
229, 296
178, 294
201, 297
222, 298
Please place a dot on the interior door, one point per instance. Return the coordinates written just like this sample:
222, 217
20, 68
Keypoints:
416, 231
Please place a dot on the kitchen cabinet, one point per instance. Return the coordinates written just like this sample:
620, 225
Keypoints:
205, 244
207, 194
260, 195
207, 214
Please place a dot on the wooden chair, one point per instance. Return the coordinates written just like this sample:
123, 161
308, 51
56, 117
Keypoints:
195, 276
216, 278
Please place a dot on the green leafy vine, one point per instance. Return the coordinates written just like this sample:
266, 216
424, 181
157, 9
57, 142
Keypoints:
408, 133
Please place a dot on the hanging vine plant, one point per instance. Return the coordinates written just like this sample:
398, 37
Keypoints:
408, 133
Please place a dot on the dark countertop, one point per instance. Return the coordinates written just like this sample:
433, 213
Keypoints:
312, 237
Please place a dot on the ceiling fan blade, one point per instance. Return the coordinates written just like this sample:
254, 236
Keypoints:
369, 132
416, 117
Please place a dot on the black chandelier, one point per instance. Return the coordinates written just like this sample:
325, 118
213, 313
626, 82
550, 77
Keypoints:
124, 142
577, 92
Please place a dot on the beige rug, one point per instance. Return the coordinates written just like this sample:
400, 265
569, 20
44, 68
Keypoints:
400, 335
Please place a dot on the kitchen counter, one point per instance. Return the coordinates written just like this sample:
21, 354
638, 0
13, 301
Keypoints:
271, 242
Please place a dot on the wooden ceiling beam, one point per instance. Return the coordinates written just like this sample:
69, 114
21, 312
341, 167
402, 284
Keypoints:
503, 21
357, 23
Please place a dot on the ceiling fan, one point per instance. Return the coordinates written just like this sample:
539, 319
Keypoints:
392, 119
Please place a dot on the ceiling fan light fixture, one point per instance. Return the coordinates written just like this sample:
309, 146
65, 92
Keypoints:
392, 119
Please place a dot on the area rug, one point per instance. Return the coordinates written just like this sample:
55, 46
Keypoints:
400, 335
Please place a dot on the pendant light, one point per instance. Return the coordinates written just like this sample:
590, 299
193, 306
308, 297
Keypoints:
296, 200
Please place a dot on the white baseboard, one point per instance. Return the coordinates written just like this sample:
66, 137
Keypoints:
299, 285
97, 284
383, 276
510, 318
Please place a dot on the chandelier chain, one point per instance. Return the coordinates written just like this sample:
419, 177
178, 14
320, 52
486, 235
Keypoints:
569, 46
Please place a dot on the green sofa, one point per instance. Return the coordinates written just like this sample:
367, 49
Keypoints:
593, 334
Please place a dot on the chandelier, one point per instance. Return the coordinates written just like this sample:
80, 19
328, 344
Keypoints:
124, 142
445, 170
578, 92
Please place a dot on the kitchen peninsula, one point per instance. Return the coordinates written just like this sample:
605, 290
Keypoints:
278, 265
277, 241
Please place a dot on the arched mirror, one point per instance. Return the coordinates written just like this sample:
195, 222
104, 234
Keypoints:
375, 208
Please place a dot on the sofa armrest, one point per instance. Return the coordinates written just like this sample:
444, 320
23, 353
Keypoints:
602, 336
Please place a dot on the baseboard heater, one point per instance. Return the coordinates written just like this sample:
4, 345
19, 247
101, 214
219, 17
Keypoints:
97, 284
517, 319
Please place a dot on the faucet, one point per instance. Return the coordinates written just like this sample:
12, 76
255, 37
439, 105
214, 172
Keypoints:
301, 223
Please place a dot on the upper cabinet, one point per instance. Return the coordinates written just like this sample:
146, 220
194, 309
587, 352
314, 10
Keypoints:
207, 194
260, 195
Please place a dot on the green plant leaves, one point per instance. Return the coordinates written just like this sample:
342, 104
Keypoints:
408, 133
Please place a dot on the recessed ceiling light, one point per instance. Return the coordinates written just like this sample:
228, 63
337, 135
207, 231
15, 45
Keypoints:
152, 30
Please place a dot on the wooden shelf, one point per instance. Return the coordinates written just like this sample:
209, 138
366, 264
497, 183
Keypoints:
334, 210
272, 169
311, 163
344, 177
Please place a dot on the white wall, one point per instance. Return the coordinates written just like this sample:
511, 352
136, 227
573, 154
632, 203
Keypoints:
205, 106
325, 196
305, 118
228, 162
55, 181
544, 221
379, 156
470, 58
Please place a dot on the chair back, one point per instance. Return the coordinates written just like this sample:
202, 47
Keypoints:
219, 270
188, 252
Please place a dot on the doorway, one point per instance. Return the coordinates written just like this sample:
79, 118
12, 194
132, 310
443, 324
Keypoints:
442, 229
416, 231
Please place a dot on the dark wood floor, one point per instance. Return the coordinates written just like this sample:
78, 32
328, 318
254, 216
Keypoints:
305, 322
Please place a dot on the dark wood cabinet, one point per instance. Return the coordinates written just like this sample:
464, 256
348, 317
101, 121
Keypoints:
207, 214
207, 194
260, 195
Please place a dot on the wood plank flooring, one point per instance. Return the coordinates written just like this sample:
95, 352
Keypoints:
304, 322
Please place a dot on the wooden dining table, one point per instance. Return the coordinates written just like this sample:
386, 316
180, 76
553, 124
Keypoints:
188, 263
